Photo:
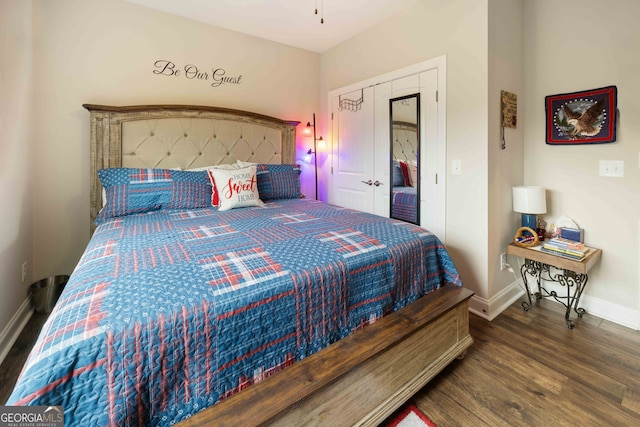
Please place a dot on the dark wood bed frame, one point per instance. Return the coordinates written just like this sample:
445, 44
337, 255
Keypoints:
359, 380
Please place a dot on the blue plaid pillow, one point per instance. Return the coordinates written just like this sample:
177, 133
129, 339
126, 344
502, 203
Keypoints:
398, 178
278, 181
131, 191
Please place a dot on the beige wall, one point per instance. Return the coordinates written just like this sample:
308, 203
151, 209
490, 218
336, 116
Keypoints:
429, 29
599, 47
16, 111
103, 52
506, 66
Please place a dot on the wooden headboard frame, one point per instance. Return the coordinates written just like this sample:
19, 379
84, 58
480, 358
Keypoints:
182, 136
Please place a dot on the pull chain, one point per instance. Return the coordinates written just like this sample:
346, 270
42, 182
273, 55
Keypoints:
321, 10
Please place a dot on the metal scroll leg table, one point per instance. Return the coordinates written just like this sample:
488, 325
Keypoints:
572, 281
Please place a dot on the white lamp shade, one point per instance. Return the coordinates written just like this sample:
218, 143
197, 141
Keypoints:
529, 200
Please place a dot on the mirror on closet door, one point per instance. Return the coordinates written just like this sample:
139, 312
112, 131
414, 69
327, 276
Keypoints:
405, 157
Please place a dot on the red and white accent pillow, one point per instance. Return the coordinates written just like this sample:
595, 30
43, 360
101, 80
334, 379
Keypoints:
405, 173
234, 188
214, 192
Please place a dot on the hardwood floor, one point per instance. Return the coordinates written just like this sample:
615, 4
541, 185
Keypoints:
524, 369
529, 369
13, 362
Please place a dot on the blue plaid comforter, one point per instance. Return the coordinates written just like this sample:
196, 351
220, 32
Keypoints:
404, 203
168, 313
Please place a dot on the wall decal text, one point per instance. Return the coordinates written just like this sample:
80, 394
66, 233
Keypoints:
217, 76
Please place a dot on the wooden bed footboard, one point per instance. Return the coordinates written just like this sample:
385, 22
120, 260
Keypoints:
361, 379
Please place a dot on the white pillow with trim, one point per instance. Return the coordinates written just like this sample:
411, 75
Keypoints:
236, 188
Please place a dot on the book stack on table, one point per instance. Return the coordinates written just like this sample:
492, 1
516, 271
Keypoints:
565, 247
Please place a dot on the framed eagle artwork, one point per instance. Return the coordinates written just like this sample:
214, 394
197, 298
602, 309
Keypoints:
587, 117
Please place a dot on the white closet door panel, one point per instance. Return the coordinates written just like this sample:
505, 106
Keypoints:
353, 157
382, 150
432, 177
406, 85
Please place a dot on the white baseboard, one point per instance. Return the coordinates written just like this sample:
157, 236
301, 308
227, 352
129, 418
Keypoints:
12, 331
624, 316
490, 309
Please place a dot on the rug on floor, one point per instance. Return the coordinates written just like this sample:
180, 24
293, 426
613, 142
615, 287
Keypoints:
409, 416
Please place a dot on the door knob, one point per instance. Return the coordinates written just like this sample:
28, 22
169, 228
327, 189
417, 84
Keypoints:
368, 182
377, 183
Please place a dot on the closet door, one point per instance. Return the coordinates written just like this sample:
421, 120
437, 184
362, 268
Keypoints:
382, 150
432, 160
361, 143
353, 154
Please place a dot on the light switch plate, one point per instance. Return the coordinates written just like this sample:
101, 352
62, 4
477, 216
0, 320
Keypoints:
611, 168
618, 168
456, 167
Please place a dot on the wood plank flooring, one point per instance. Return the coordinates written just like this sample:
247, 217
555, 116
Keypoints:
13, 362
524, 369
529, 369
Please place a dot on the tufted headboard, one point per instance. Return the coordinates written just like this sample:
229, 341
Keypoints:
182, 136
405, 141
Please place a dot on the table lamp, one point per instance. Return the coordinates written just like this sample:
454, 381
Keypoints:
529, 201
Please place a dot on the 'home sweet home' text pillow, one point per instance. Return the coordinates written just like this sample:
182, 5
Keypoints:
214, 192
236, 188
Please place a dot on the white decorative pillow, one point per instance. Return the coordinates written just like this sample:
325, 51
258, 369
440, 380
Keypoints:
413, 173
236, 188
214, 190
242, 164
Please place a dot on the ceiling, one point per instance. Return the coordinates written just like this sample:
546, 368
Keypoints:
291, 22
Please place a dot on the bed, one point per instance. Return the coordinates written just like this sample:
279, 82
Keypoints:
404, 190
404, 202
290, 311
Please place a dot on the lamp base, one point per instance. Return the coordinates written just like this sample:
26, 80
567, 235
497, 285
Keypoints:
529, 220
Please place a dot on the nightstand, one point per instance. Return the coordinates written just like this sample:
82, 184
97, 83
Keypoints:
572, 274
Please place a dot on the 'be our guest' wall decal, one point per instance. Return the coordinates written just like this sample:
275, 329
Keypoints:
217, 76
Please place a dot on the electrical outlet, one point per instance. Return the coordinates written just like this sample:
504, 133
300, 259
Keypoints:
24, 271
503, 261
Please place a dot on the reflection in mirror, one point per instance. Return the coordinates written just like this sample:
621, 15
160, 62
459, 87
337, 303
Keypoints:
405, 157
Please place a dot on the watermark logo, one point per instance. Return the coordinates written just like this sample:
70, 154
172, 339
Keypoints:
31, 416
